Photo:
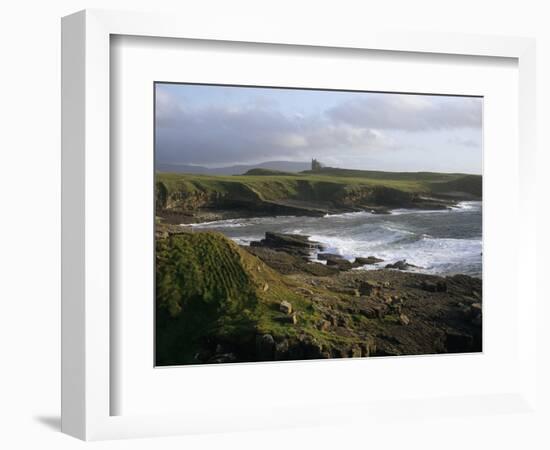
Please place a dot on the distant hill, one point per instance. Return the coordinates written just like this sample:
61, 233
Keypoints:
238, 169
266, 172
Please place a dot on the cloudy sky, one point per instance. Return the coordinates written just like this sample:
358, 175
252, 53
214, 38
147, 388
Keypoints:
218, 126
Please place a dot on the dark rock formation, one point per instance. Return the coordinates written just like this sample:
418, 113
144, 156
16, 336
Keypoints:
265, 347
369, 287
359, 261
287, 263
401, 265
295, 244
340, 264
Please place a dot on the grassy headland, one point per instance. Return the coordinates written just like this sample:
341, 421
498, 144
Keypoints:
188, 197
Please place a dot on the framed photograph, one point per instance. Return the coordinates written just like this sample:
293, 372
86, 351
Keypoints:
285, 212
372, 248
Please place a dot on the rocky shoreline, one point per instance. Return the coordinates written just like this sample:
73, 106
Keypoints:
330, 310
176, 216
428, 313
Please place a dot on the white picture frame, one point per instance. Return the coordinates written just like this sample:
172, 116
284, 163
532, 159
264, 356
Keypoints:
86, 220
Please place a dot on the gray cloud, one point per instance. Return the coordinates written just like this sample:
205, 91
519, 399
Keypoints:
409, 112
232, 135
400, 132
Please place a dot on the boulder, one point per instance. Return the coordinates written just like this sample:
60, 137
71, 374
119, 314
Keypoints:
295, 244
291, 240
373, 312
367, 261
403, 319
285, 307
339, 263
368, 288
401, 265
327, 256
335, 261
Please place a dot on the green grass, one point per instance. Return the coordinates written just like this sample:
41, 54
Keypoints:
278, 186
471, 184
333, 185
208, 289
328, 190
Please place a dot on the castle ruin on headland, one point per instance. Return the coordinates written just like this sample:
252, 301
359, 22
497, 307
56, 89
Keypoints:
316, 166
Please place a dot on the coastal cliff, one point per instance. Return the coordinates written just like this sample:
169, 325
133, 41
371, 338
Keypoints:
182, 198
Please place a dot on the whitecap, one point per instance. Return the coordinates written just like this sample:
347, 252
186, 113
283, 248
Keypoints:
348, 215
226, 223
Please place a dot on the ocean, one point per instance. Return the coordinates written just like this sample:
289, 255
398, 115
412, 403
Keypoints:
443, 242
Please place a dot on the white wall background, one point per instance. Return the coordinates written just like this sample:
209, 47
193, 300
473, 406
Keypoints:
30, 196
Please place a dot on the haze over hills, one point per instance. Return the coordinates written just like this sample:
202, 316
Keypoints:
237, 169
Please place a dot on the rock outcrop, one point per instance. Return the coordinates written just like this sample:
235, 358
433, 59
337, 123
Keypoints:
401, 265
294, 244
369, 260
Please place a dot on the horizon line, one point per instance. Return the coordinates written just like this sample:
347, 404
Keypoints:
308, 162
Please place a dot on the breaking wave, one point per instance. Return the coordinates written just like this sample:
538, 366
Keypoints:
443, 241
